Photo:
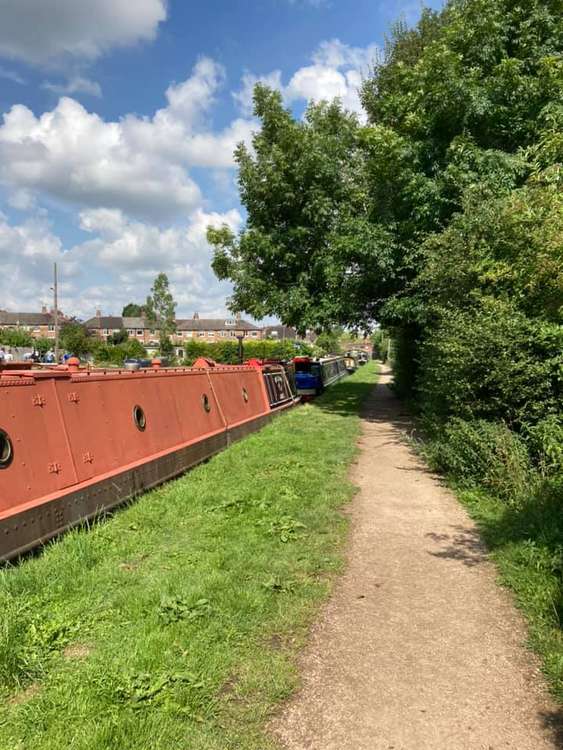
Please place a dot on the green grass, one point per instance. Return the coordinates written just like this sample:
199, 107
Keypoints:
175, 624
526, 543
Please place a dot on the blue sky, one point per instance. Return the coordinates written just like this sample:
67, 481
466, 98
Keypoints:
118, 123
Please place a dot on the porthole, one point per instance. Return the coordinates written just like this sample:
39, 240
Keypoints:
6, 450
205, 402
245, 395
139, 418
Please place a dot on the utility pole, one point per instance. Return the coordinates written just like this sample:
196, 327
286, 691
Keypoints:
56, 312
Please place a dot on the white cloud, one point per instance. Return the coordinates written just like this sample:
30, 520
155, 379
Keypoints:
337, 70
75, 85
138, 165
243, 97
116, 266
336, 54
47, 31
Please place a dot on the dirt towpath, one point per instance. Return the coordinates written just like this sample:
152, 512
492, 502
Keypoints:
418, 648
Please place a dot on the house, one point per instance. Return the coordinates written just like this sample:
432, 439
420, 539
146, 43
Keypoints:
280, 333
212, 330
37, 324
209, 330
104, 326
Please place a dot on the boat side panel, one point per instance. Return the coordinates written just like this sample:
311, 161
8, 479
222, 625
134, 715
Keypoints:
230, 387
42, 459
29, 528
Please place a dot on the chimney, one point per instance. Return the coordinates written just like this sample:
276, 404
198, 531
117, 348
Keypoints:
44, 310
98, 313
196, 316
237, 317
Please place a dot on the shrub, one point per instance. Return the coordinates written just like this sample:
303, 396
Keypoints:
545, 442
491, 362
483, 453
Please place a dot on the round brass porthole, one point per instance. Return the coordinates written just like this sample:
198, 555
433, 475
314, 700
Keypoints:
205, 402
245, 395
6, 450
139, 418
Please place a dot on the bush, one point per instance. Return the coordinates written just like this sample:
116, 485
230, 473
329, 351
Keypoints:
16, 337
105, 353
227, 352
491, 362
483, 453
545, 442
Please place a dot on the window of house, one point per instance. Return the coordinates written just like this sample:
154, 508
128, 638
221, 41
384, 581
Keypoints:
254, 334
223, 333
211, 333
51, 328
106, 331
230, 322
130, 331
201, 334
139, 332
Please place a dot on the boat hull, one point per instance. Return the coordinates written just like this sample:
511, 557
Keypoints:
99, 456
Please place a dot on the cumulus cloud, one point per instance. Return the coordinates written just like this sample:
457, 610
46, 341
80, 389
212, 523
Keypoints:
243, 97
137, 165
48, 31
116, 266
336, 70
75, 85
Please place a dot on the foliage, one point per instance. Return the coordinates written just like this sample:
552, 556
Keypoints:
492, 362
482, 452
119, 337
15, 337
226, 352
110, 354
160, 311
176, 622
74, 338
328, 342
132, 310
310, 253
42, 344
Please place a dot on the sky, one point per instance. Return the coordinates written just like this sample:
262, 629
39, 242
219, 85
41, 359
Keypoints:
118, 121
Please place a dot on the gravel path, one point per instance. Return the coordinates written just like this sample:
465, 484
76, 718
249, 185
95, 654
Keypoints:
418, 648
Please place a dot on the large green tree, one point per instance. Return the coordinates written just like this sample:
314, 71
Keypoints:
310, 253
338, 212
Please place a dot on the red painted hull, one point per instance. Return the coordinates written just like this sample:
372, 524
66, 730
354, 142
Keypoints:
82, 441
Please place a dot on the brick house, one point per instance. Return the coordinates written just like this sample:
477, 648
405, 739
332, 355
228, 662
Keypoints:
37, 324
212, 330
280, 333
209, 330
104, 326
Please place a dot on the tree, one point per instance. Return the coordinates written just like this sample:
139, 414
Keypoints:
15, 337
310, 253
74, 338
42, 345
329, 341
119, 337
132, 310
160, 311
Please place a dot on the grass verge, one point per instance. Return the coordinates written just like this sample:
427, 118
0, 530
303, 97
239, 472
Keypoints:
175, 623
526, 543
